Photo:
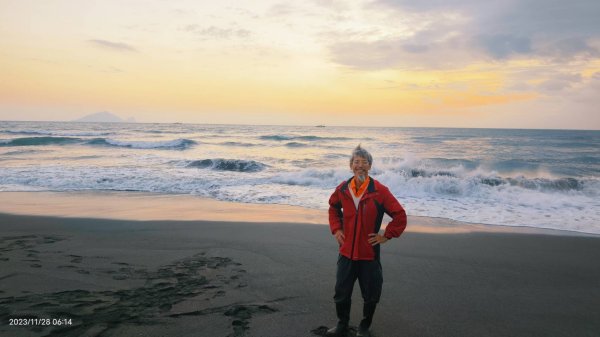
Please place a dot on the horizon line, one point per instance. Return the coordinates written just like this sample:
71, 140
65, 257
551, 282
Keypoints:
309, 125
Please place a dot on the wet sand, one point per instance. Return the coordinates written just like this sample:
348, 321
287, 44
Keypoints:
210, 278
154, 206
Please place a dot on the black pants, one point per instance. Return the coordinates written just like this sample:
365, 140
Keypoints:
370, 279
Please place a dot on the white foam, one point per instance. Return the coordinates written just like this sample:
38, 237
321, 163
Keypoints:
444, 184
311, 177
20, 188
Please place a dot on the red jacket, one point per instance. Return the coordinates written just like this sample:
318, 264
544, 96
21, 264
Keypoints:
358, 224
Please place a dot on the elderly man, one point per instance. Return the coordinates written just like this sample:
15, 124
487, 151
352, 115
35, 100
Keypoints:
356, 209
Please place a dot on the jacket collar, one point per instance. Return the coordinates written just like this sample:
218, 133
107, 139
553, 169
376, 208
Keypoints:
370, 188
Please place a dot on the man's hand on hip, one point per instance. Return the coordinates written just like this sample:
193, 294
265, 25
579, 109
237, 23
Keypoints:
340, 237
375, 239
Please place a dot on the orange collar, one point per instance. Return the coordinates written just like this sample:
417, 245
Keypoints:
363, 187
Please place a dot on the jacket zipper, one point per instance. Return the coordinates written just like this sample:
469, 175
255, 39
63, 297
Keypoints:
358, 210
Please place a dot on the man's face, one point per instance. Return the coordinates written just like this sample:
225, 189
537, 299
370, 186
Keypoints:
360, 167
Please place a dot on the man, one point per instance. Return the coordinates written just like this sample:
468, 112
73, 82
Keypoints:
356, 210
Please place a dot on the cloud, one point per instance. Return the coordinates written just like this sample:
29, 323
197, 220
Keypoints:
560, 82
550, 30
501, 46
415, 48
586, 94
421, 50
366, 55
529, 17
335, 5
280, 9
562, 50
213, 32
563, 25
244, 12
394, 52
182, 12
575, 107
114, 46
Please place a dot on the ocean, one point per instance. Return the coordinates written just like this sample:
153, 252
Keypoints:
535, 178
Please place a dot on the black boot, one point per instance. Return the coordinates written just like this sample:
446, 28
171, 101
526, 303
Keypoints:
365, 324
343, 314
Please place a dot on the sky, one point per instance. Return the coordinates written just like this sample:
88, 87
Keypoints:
428, 63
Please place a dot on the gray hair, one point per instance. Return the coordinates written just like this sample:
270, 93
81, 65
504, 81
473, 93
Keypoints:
360, 152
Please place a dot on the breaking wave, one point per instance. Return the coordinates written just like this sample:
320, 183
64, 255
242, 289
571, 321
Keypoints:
179, 144
36, 141
42, 141
236, 165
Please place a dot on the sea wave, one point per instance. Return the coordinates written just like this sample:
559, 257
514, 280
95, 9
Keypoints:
57, 134
304, 138
41, 141
238, 144
296, 144
450, 181
19, 152
237, 165
36, 141
525, 177
541, 184
430, 140
179, 144
325, 178
562, 203
154, 131
26, 132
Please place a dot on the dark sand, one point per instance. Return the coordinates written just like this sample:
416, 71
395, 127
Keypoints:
195, 278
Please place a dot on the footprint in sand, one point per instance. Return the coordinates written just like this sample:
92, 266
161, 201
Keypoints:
120, 263
219, 293
66, 267
168, 285
120, 277
242, 315
322, 330
76, 258
52, 239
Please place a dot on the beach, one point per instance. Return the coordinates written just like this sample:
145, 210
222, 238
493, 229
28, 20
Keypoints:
171, 168
97, 276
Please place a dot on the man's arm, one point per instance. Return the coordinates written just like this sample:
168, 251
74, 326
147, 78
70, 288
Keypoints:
393, 208
336, 216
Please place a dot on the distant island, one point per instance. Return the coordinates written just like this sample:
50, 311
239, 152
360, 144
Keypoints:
104, 117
